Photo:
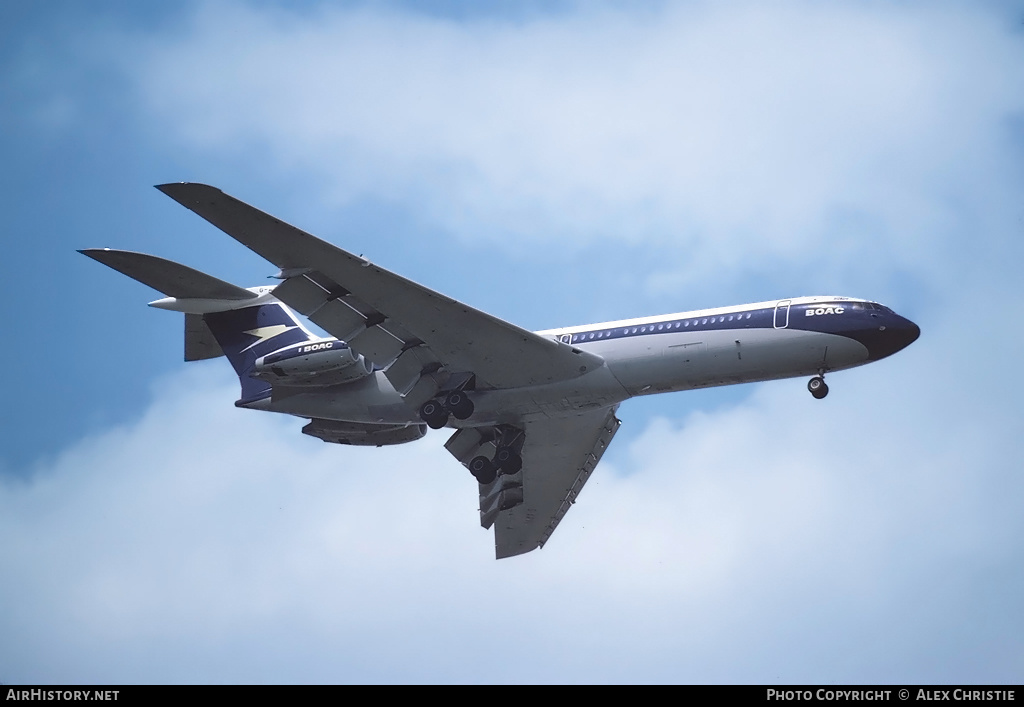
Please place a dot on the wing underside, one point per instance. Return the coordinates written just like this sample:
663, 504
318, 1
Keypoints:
559, 455
418, 335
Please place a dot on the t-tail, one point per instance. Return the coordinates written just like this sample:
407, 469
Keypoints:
221, 319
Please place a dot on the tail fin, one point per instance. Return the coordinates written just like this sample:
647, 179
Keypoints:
220, 318
251, 332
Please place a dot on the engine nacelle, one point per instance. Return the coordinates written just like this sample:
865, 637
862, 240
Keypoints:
328, 362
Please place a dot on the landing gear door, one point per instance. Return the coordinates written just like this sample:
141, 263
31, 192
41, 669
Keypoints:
782, 314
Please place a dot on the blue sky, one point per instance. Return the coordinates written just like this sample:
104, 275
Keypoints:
552, 165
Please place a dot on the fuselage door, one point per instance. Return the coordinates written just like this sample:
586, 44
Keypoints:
565, 338
782, 314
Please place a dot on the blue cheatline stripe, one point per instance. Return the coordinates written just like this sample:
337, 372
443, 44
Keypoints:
857, 320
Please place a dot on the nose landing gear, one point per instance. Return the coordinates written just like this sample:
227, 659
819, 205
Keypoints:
817, 387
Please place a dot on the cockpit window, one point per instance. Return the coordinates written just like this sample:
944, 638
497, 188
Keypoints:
877, 307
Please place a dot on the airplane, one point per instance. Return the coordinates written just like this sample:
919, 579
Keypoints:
532, 412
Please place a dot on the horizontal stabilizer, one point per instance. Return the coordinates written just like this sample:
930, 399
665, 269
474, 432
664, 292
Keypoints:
173, 279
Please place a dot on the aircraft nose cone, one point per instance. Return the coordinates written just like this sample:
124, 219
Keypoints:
904, 334
898, 334
913, 331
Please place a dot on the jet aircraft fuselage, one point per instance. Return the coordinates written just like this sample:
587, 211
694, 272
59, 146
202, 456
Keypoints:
532, 411
805, 336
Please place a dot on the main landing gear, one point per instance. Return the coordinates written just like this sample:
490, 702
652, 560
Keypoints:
817, 387
456, 403
506, 461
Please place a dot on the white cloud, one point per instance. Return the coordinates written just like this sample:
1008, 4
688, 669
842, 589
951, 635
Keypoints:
738, 133
780, 539
872, 537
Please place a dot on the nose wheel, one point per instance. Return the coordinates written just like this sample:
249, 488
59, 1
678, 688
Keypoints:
817, 387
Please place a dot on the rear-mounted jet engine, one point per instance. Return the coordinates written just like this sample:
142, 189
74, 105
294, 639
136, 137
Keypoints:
313, 363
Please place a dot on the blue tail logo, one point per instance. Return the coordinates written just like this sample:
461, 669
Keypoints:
251, 332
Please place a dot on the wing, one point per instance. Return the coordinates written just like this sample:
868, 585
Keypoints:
416, 333
559, 455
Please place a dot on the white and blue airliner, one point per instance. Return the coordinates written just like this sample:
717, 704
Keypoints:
532, 412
